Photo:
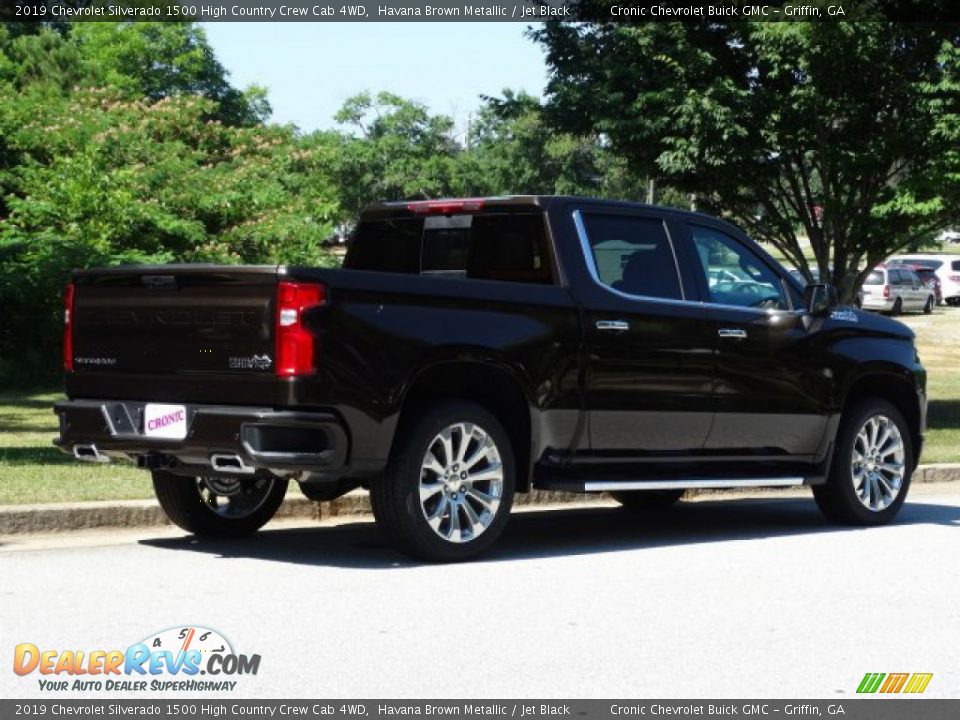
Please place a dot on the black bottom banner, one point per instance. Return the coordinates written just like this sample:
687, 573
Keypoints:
847, 709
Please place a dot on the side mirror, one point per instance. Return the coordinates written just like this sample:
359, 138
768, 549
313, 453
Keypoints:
820, 299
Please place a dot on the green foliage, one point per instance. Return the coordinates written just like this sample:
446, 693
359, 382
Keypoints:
392, 149
147, 168
158, 60
512, 149
772, 123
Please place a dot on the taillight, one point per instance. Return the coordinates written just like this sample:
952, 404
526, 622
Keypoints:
68, 327
955, 278
886, 291
294, 342
445, 207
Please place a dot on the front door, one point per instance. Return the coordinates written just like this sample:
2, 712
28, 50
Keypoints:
770, 392
649, 352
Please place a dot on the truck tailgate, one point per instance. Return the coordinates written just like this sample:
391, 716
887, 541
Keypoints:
163, 333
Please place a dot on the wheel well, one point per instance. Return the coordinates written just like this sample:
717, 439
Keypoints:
894, 390
494, 389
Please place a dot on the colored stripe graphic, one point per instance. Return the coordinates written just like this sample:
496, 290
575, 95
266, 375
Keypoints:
870, 682
894, 683
918, 683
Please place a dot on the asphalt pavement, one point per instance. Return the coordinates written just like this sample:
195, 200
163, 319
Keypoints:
752, 596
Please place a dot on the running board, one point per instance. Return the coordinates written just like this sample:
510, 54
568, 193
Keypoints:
688, 484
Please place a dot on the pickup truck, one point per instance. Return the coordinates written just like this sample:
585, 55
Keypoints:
471, 349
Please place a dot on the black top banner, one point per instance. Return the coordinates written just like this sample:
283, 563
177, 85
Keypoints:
475, 10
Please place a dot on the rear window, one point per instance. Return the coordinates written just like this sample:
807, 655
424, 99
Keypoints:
508, 247
874, 278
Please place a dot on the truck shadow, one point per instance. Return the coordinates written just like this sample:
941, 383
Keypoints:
559, 532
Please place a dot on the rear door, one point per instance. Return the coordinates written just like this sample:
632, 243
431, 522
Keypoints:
768, 385
902, 287
648, 349
918, 293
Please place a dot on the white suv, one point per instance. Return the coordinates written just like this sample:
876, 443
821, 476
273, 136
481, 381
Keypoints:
895, 290
947, 268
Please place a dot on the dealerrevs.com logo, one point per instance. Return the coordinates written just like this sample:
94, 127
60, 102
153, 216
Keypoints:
176, 659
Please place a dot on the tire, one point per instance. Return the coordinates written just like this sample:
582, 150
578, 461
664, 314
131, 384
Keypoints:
897, 307
928, 308
840, 498
451, 535
645, 500
243, 506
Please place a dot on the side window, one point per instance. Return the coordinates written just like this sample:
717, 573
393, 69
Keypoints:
509, 248
386, 246
633, 255
735, 275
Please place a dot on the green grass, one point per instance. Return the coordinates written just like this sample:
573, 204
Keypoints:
938, 341
33, 471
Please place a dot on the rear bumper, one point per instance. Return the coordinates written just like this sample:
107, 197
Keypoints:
876, 302
949, 290
263, 438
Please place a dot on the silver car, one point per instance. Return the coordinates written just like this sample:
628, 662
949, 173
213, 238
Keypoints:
895, 290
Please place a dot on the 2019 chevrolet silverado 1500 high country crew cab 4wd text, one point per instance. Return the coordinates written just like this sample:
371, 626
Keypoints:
472, 349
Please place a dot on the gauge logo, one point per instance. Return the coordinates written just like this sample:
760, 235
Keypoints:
153, 663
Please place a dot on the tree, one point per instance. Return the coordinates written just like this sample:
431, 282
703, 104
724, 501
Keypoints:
838, 132
104, 180
514, 148
159, 59
126, 143
392, 148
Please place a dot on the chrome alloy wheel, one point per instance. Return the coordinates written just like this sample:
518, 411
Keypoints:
461, 482
234, 498
877, 463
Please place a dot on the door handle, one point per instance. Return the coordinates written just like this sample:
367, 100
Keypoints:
612, 325
734, 333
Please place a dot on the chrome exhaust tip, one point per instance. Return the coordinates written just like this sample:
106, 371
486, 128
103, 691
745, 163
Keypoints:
89, 453
233, 464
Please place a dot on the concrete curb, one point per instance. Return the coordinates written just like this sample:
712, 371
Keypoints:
50, 518
65, 517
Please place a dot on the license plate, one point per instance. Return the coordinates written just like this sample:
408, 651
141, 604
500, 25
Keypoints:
165, 421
